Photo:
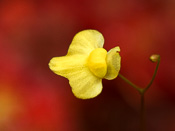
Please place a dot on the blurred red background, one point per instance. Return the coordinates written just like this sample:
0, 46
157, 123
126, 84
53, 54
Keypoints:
32, 98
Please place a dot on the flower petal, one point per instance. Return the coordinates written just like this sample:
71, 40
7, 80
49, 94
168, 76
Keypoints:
84, 84
113, 63
67, 65
85, 41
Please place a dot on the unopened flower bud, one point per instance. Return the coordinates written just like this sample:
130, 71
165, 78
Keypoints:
155, 57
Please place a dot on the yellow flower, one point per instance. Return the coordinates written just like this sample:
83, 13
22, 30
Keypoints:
87, 63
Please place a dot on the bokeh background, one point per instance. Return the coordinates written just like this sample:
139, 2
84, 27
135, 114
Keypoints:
32, 98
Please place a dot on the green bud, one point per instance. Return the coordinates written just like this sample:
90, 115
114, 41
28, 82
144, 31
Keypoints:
154, 57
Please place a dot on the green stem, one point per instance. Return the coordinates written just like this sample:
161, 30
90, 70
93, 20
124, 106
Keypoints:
142, 113
130, 83
154, 75
142, 91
